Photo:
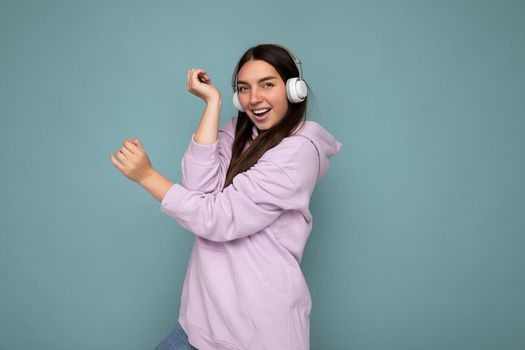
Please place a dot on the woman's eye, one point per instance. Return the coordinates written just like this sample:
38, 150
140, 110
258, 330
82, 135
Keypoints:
242, 88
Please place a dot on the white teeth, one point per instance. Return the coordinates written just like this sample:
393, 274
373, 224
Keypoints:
261, 111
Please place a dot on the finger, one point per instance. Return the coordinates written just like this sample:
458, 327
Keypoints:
138, 143
195, 78
115, 162
204, 78
197, 72
127, 152
190, 79
127, 148
130, 144
122, 158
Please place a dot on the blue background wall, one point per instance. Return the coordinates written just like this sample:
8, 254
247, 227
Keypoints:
418, 236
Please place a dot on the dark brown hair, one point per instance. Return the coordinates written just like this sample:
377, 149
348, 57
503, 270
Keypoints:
267, 139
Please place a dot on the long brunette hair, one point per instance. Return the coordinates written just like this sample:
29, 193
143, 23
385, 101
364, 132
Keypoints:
266, 139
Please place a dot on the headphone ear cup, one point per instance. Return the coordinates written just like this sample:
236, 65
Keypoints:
296, 90
236, 102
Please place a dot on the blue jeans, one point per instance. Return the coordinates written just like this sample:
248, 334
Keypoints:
177, 339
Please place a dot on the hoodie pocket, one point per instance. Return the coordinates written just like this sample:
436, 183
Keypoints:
216, 306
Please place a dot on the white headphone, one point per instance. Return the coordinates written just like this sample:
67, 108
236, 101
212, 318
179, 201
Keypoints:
296, 89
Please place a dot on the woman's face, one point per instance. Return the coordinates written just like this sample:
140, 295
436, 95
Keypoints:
261, 88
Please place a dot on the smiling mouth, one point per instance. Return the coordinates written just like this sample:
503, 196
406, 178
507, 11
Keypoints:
261, 113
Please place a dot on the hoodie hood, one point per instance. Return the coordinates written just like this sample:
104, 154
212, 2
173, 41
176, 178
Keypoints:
327, 146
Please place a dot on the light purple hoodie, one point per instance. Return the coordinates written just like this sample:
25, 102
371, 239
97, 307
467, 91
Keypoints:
244, 288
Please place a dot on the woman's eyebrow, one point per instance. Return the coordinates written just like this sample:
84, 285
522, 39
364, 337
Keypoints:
260, 80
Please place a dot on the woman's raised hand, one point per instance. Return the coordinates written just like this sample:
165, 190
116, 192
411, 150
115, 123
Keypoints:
198, 82
134, 162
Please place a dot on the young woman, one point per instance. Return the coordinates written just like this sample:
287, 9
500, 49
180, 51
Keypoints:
245, 194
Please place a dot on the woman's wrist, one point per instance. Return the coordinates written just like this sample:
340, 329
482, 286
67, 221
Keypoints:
214, 101
156, 184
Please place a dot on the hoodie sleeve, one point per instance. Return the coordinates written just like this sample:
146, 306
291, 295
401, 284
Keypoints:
280, 180
203, 166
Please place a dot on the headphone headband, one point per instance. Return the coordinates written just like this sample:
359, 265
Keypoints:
293, 56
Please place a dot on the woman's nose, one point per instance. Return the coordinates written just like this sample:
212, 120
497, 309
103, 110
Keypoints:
255, 97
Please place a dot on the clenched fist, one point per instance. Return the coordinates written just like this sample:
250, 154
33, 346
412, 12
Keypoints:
198, 82
134, 162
